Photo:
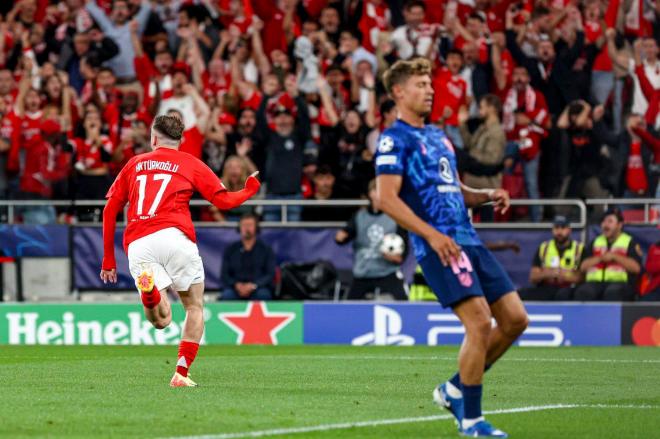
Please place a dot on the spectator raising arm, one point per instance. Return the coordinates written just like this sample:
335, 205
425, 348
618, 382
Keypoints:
202, 110
326, 100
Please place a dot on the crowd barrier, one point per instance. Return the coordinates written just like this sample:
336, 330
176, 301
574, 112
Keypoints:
318, 323
84, 245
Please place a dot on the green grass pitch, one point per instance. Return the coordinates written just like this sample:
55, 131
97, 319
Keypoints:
123, 392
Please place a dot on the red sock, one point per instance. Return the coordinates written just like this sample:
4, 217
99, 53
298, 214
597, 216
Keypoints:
151, 299
187, 353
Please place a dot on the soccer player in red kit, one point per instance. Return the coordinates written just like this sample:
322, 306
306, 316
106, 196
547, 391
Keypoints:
160, 238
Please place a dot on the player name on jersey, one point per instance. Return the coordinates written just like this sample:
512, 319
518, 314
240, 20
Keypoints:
151, 165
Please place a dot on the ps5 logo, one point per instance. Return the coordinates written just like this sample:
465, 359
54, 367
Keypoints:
387, 330
548, 336
388, 326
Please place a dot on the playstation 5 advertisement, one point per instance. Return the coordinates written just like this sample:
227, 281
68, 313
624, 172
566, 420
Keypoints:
431, 325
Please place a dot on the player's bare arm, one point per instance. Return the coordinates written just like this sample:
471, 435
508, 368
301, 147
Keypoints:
478, 197
388, 187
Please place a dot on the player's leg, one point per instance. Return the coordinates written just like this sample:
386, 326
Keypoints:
185, 266
511, 318
193, 329
157, 311
475, 314
152, 283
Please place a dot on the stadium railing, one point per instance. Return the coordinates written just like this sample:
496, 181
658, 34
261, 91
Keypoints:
581, 220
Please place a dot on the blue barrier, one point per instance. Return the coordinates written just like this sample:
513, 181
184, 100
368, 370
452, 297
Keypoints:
290, 245
34, 241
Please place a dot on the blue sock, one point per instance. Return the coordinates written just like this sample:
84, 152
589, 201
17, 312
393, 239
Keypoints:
472, 401
456, 379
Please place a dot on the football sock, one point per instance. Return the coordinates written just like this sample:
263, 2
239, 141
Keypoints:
455, 389
187, 353
150, 299
471, 403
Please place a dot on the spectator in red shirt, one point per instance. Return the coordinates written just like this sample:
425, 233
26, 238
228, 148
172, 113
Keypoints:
155, 77
190, 107
526, 121
602, 77
375, 18
330, 24
93, 152
43, 166
281, 23
650, 291
450, 97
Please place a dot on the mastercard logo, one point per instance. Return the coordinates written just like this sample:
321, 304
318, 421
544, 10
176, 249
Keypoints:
646, 332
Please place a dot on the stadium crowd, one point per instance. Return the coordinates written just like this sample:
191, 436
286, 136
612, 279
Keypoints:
546, 98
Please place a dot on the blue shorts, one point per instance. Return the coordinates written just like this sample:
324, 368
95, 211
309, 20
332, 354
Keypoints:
477, 273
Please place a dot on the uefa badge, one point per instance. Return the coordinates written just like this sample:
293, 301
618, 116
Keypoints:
386, 144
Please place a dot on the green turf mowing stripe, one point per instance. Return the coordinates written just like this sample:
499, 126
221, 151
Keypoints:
381, 422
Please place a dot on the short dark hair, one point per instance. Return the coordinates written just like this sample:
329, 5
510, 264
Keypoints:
402, 70
386, 106
249, 215
414, 3
454, 51
169, 126
324, 170
494, 101
613, 211
575, 108
477, 16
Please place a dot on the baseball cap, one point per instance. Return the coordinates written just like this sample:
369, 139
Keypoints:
561, 221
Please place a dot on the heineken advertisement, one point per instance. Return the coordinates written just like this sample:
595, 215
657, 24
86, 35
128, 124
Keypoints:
105, 324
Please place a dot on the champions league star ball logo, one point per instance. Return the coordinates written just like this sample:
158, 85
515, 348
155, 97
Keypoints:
385, 145
445, 170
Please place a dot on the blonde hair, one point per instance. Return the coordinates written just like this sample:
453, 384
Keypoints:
231, 186
402, 70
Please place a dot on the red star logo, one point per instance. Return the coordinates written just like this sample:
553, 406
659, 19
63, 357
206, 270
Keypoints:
256, 325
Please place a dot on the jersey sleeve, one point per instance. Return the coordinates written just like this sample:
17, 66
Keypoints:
390, 154
119, 188
205, 181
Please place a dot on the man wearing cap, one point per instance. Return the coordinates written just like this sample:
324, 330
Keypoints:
556, 265
610, 263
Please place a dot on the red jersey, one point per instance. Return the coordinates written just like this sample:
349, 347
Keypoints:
192, 142
89, 155
593, 31
148, 76
158, 186
10, 131
44, 164
450, 91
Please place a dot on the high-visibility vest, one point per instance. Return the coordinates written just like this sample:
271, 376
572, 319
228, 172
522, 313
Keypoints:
570, 260
612, 271
419, 289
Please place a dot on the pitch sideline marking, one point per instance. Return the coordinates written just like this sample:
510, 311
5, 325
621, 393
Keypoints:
381, 422
448, 358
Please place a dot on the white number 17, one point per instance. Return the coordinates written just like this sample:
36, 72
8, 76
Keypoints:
142, 180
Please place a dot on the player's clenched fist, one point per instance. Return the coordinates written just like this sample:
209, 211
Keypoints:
252, 185
445, 247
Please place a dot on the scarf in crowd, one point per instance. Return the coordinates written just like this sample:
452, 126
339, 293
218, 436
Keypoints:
511, 105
